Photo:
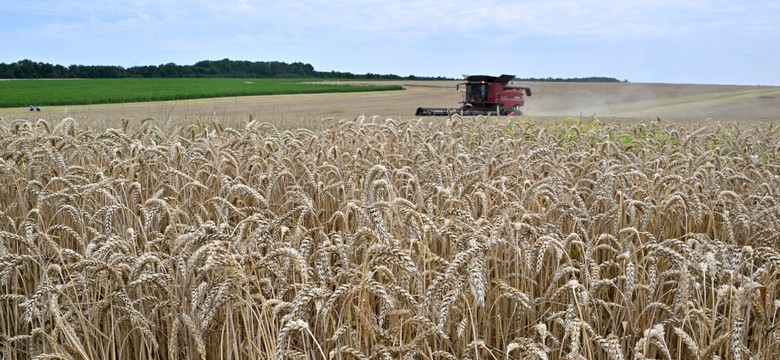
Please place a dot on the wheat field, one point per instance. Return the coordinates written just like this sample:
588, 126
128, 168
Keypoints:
464, 238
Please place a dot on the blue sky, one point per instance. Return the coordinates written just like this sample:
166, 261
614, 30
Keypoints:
694, 41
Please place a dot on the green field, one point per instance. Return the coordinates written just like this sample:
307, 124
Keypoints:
17, 93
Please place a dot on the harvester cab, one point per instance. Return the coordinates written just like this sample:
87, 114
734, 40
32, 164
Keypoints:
485, 95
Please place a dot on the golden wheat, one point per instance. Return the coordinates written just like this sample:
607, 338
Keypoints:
465, 238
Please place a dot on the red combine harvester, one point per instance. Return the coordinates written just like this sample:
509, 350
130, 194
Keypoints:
485, 95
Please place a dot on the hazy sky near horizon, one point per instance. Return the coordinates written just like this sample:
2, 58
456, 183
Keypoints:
695, 41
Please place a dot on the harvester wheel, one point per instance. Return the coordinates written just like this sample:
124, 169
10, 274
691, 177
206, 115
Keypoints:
517, 110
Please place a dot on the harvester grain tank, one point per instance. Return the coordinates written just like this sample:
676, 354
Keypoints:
485, 95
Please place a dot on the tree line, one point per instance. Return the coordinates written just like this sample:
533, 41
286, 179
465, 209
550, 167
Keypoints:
225, 68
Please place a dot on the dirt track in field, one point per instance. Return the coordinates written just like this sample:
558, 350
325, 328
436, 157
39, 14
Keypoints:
608, 101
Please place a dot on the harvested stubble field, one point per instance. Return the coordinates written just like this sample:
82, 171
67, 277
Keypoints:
380, 239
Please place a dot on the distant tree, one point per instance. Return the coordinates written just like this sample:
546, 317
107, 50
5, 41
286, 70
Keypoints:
27, 69
101, 71
169, 70
6, 71
146, 71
